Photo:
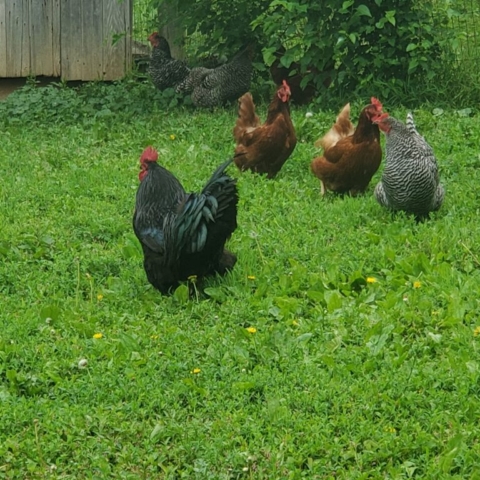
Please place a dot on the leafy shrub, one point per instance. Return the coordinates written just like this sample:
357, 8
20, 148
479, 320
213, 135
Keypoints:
354, 47
57, 102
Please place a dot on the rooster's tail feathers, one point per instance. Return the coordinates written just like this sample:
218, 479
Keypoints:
200, 211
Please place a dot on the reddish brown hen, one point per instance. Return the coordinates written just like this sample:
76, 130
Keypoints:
350, 156
264, 148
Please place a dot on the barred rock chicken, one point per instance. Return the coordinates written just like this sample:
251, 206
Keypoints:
410, 180
166, 72
351, 156
183, 234
264, 148
212, 87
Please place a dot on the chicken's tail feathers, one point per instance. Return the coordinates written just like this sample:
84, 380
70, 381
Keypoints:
218, 175
410, 123
247, 118
215, 205
342, 128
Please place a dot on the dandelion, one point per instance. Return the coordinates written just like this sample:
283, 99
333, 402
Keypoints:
476, 332
82, 363
309, 115
196, 370
251, 330
417, 284
172, 137
99, 297
251, 277
97, 336
371, 280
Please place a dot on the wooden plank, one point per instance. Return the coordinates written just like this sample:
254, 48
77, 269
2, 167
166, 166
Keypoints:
25, 68
41, 36
3, 39
92, 50
71, 35
116, 56
56, 46
14, 24
173, 31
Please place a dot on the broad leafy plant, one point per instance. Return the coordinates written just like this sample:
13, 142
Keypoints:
349, 45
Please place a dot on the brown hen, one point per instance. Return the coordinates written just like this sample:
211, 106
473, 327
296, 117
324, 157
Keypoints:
264, 148
350, 156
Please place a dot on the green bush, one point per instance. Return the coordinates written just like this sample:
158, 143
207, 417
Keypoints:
357, 49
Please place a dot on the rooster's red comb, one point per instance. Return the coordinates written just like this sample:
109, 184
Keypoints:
376, 102
149, 155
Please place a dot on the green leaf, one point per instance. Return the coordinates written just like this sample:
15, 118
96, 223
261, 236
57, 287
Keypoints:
304, 338
181, 294
156, 431
390, 16
411, 46
364, 10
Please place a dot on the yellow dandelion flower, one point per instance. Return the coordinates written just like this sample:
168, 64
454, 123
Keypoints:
98, 335
251, 330
172, 137
196, 370
476, 332
417, 284
251, 277
371, 280
99, 297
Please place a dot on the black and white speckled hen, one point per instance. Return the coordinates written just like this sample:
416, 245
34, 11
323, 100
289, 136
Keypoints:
410, 180
183, 234
213, 87
165, 71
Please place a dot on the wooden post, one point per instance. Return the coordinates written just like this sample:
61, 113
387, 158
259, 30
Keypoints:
172, 29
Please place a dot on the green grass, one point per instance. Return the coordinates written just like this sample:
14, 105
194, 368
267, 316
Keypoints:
341, 379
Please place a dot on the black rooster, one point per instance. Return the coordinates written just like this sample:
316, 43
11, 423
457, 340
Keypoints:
183, 234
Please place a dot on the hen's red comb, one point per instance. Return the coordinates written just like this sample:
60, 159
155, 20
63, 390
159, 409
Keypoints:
374, 101
149, 155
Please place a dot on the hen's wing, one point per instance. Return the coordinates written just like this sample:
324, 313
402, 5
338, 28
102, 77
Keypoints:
342, 128
263, 142
247, 119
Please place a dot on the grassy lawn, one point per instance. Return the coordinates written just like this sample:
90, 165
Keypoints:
293, 366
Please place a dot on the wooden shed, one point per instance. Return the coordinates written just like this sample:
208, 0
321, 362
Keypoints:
71, 39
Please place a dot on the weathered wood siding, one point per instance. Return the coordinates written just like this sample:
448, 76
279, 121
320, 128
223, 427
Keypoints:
72, 39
